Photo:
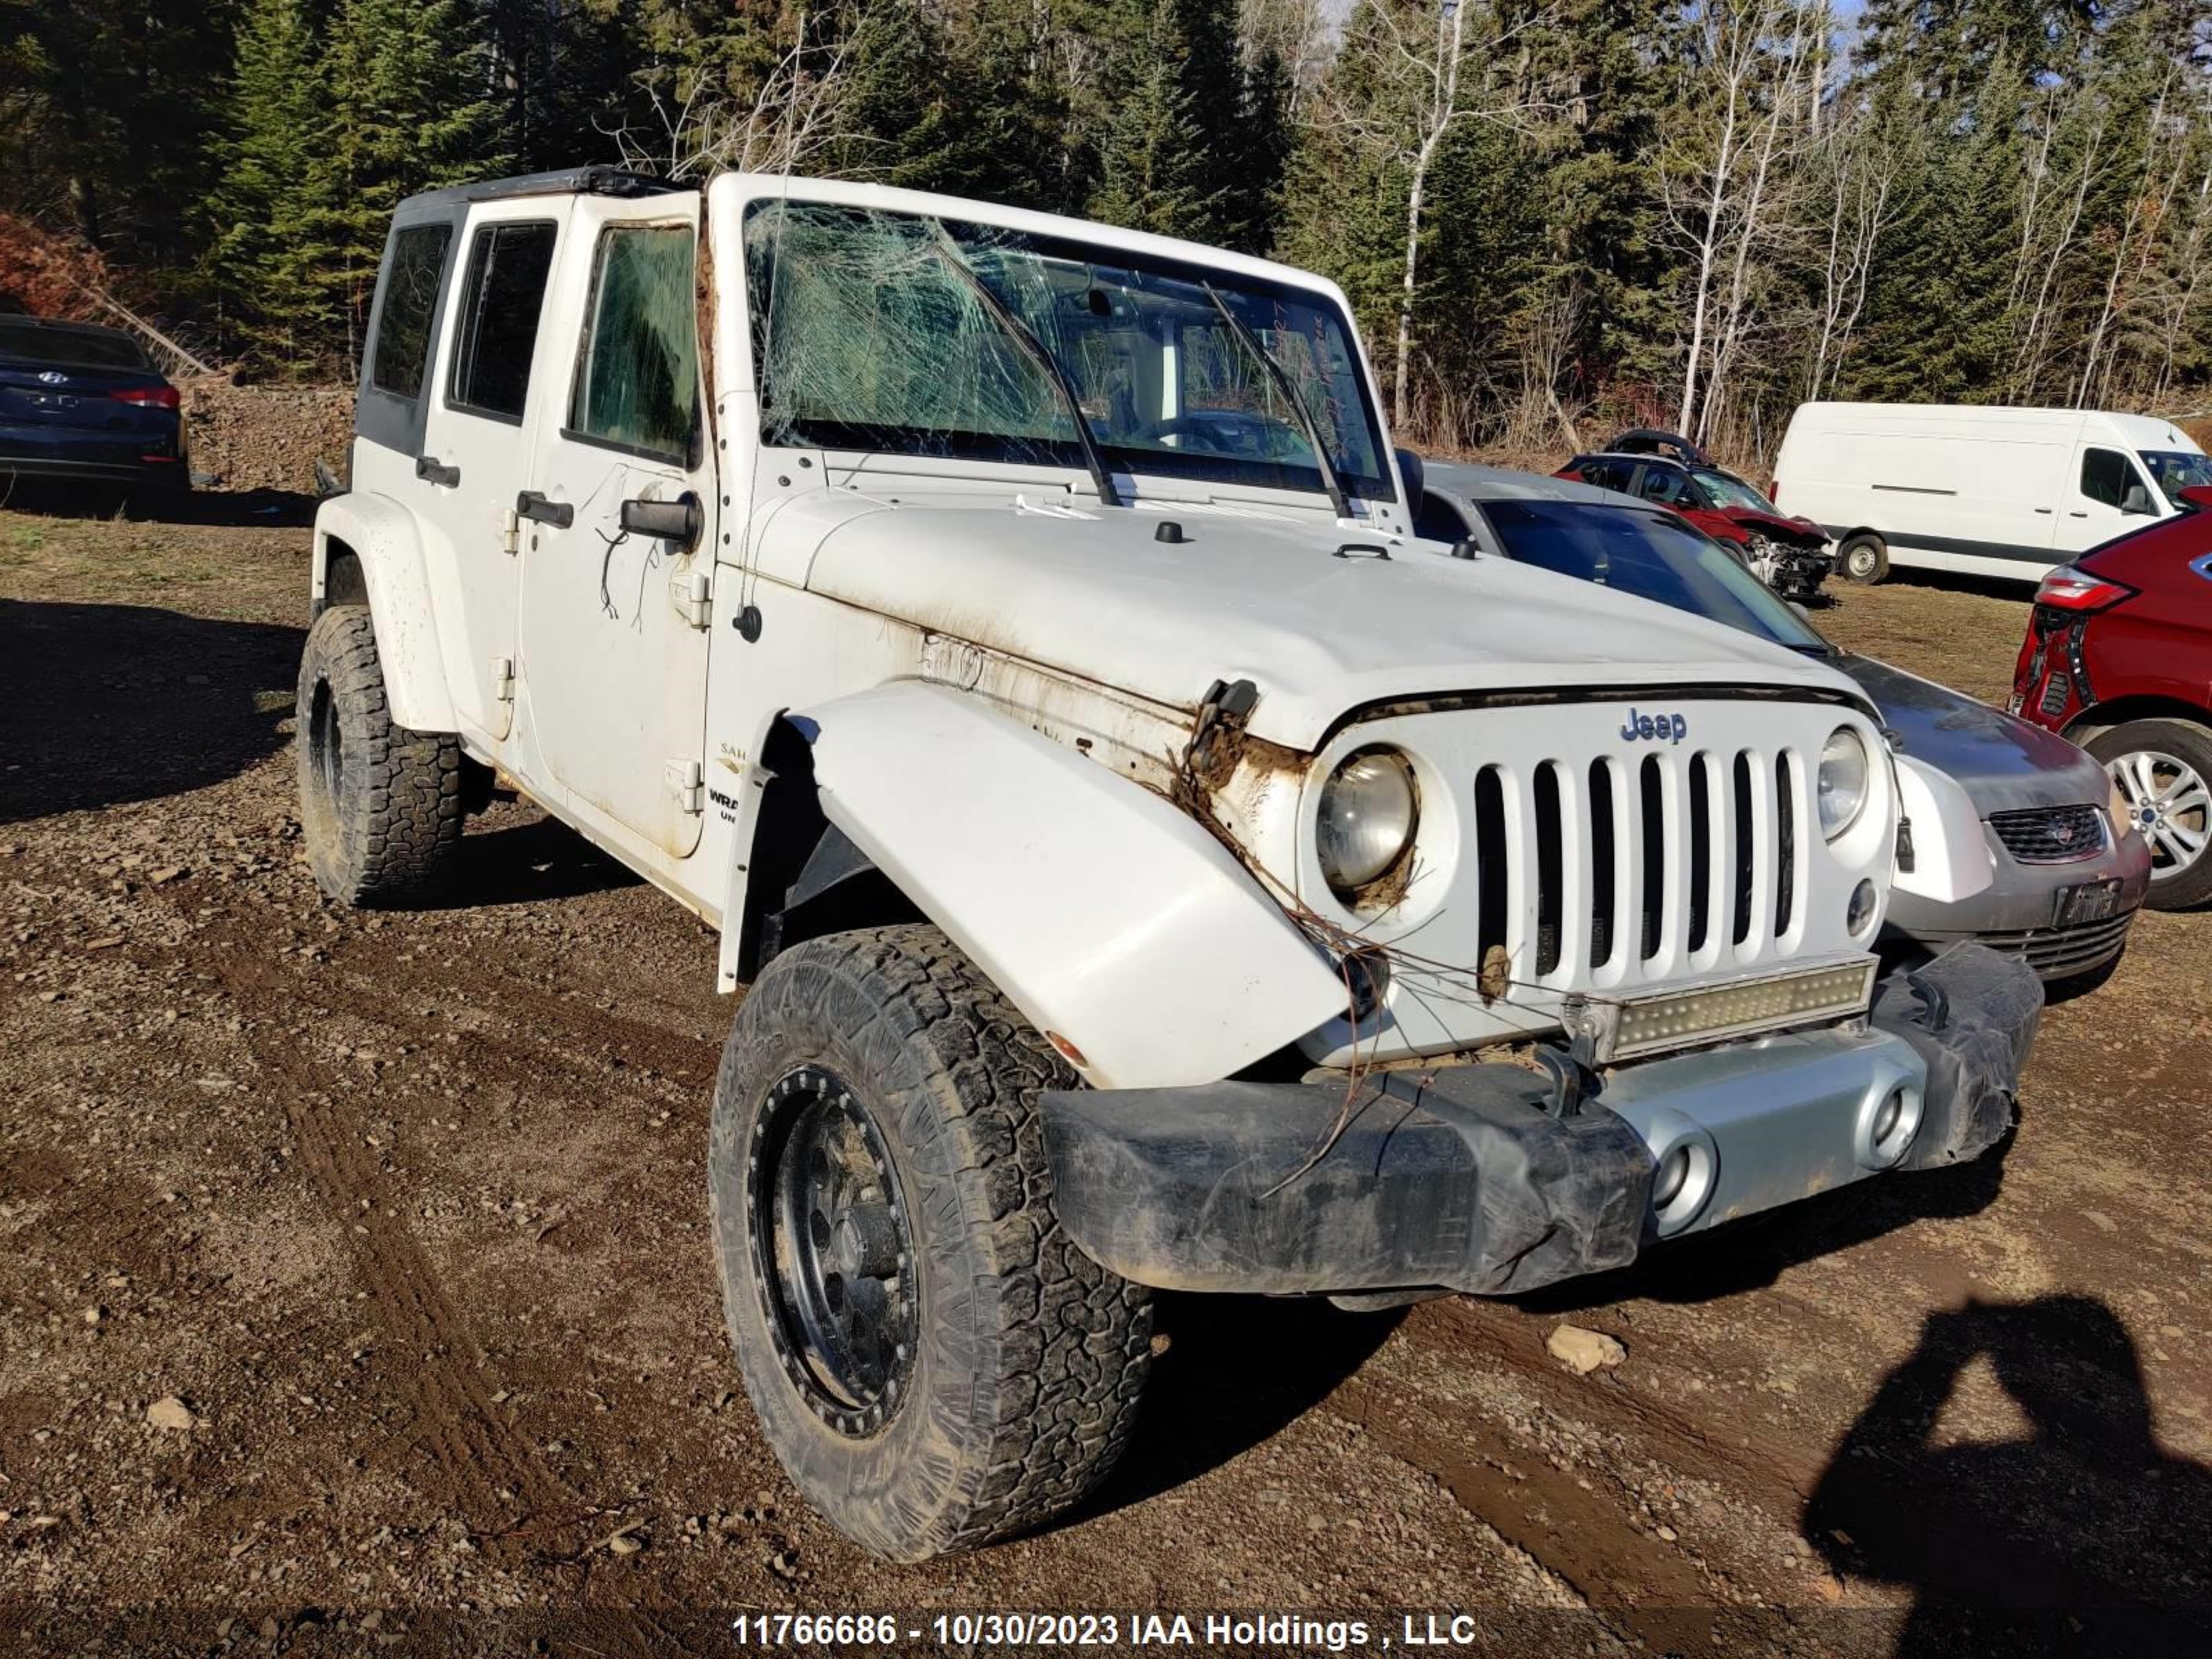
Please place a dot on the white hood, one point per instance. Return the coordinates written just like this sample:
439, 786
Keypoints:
1247, 596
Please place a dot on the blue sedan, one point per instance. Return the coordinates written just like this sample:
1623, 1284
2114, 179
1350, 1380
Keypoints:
83, 404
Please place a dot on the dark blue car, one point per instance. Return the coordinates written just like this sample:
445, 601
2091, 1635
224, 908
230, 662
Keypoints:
83, 404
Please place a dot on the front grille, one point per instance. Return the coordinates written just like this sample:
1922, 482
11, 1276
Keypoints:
2061, 952
1668, 856
2051, 835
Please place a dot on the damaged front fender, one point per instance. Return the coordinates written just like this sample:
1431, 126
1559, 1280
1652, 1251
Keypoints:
1113, 921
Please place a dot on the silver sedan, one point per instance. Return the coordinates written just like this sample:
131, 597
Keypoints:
2069, 872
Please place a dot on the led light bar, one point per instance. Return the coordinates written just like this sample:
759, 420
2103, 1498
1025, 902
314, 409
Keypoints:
1714, 1013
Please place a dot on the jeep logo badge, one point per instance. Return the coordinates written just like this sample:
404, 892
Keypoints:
1654, 728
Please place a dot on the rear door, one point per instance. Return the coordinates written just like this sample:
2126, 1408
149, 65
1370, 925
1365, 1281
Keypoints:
475, 448
614, 623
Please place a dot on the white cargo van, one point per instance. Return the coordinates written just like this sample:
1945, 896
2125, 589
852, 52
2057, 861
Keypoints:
1996, 492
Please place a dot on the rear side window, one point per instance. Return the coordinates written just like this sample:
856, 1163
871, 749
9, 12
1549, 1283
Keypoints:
2105, 476
88, 347
410, 302
500, 306
637, 374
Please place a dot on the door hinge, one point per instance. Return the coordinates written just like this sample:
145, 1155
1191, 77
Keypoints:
502, 679
687, 783
510, 531
693, 591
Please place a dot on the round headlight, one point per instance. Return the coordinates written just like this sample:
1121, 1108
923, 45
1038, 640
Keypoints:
1369, 809
1843, 781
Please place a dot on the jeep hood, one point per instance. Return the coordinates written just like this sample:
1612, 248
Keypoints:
1096, 594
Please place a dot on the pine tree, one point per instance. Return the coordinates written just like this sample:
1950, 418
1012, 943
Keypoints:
270, 254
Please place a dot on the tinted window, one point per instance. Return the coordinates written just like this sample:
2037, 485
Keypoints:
410, 302
69, 348
499, 304
2105, 476
637, 381
1649, 555
1606, 475
1660, 485
1439, 519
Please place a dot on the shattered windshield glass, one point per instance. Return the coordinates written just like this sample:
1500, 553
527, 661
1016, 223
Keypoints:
866, 338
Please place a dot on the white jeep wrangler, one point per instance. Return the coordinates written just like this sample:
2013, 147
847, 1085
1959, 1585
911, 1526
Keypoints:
1153, 864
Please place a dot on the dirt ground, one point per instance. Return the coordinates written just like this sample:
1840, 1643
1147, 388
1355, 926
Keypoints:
355, 1292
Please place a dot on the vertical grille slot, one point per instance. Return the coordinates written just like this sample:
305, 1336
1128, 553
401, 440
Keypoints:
1494, 888
1602, 854
1652, 825
1785, 826
1551, 868
1701, 851
1741, 887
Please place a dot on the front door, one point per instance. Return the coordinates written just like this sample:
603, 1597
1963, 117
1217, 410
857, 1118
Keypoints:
614, 621
2109, 496
477, 442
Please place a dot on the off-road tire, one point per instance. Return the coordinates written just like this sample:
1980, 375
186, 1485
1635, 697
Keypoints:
1031, 1357
1863, 558
380, 806
2188, 887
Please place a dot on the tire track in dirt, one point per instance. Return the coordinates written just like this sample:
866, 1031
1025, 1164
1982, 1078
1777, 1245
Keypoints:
440, 1369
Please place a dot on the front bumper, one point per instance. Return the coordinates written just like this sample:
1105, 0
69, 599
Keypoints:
1482, 1179
2017, 913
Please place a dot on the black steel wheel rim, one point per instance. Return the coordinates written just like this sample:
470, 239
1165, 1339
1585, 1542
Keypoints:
326, 749
833, 1250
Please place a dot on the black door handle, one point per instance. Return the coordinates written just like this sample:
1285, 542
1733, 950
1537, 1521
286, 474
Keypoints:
2044, 511
2076, 515
431, 470
532, 505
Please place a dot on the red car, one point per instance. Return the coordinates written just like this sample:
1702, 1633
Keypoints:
1789, 554
2118, 657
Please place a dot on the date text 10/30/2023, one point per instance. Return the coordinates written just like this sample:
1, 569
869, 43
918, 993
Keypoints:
1105, 1630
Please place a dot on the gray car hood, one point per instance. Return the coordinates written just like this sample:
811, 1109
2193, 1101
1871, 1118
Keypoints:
2003, 762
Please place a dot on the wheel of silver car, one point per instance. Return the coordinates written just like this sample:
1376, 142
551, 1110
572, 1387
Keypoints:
928, 1353
1863, 558
2160, 769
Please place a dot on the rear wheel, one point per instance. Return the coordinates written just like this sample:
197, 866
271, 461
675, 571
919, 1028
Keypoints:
932, 1359
1863, 558
2163, 770
380, 806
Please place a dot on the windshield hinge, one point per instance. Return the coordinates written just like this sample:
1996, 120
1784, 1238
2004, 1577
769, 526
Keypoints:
502, 679
510, 531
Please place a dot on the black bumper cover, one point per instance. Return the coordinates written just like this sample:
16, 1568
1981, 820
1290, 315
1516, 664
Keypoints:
1469, 1178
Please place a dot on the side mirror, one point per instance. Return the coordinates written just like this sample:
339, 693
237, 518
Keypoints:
1416, 478
2138, 502
681, 521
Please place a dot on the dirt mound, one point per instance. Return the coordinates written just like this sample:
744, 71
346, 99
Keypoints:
260, 437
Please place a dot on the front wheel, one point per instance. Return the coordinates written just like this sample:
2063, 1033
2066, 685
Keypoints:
1863, 558
932, 1359
2163, 770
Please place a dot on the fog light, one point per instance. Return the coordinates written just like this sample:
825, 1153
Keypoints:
1860, 916
1888, 1126
1885, 1119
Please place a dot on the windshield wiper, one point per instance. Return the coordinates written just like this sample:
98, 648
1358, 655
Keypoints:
1024, 336
1250, 342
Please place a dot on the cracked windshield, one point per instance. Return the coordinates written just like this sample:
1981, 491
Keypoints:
879, 330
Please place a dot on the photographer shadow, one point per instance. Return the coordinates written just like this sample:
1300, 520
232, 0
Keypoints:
2080, 1535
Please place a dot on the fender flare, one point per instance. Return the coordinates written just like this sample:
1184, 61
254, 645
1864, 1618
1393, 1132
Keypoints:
1110, 917
381, 535
1950, 851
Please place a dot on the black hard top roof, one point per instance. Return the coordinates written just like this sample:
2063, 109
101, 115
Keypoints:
595, 180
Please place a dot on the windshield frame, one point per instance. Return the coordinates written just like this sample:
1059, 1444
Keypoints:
1355, 409
1780, 620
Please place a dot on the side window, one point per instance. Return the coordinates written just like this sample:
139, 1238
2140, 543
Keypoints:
637, 374
2105, 476
409, 302
1606, 475
1439, 519
500, 305
1662, 486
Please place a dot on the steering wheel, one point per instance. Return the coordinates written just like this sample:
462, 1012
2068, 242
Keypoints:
1232, 432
